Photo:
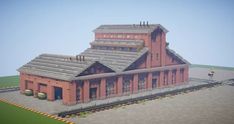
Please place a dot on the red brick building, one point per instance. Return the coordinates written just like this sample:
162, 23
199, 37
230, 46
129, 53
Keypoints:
123, 59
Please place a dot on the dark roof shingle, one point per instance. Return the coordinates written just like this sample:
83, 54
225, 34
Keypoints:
61, 67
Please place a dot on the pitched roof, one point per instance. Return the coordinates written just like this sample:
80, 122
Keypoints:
61, 67
118, 42
128, 28
55, 66
116, 60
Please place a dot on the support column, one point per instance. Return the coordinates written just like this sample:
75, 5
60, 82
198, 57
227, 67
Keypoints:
35, 88
148, 60
22, 83
149, 82
161, 76
69, 93
163, 48
177, 75
131, 85
169, 77
103, 89
120, 85
135, 83
50, 93
186, 71
86, 91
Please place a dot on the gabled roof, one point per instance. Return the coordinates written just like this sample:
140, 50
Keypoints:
129, 28
118, 42
177, 55
116, 60
61, 67
55, 66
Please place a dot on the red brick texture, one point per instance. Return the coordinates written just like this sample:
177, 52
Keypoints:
156, 57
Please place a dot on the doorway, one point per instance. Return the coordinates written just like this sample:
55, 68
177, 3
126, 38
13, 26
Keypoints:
93, 93
58, 93
154, 83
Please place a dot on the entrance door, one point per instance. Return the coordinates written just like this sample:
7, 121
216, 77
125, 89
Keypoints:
154, 83
93, 93
58, 93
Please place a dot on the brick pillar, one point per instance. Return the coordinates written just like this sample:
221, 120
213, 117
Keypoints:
177, 75
149, 81
131, 86
86, 91
72, 93
148, 60
161, 76
169, 77
186, 71
69, 93
22, 83
120, 85
103, 89
50, 93
163, 49
98, 92
135, 83
35, 88
81, 94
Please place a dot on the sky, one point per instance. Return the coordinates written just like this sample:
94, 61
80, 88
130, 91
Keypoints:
199, 30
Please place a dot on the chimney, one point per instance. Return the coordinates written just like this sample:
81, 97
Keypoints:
70, 58
140, 23
77, 57
143, 23
147, 23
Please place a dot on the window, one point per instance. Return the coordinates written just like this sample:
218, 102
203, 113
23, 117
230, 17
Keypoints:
173, 76
125, 49
133, 49
165, 78
42, 84
110, 87
154, 83
142, 82
78, 94
126, 86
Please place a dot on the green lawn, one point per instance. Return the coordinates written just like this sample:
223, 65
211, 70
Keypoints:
10, 114
9, 81
212, 66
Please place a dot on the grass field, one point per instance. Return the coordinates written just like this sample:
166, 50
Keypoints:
10, 114
9, 81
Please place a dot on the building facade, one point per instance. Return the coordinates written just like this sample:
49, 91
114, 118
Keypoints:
122, 60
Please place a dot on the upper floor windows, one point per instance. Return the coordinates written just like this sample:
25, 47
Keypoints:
122, 36
115, 48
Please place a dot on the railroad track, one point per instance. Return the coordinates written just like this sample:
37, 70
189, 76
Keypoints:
8, 89
107, 106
